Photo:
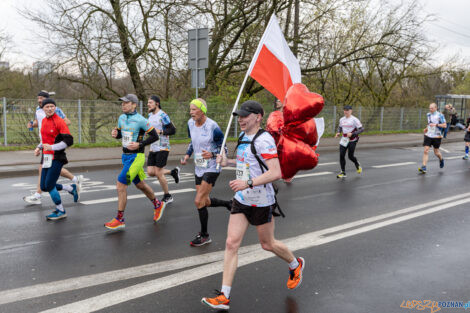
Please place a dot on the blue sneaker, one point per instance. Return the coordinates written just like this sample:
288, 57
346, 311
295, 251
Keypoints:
56, 215
441, 163
74, 193
422, 169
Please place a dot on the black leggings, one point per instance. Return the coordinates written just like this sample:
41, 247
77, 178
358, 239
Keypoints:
342, 153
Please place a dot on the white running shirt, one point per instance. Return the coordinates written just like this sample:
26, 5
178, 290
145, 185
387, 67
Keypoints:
435, 118
349, 125
249, 168
158, 120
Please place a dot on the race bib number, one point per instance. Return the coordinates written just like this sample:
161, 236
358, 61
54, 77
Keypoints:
164, 141
126, 138
47, 160
432, 129
199, 161
344, 141
255, 196
243, 171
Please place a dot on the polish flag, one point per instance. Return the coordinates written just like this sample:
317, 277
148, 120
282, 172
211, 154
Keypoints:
274, 66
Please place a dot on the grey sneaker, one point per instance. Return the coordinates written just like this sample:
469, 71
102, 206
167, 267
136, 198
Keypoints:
167, 199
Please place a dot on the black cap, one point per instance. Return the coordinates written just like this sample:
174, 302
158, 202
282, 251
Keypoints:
249, 107
43, 93
47, 101
347, 107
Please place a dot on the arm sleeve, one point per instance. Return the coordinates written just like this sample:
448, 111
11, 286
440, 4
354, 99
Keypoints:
358, 131
59, 146
119, 135
190, 149
151, 137
340, 129
218, 137
168, 127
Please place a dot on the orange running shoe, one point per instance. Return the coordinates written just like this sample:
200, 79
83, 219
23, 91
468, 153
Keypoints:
115, 224
295, 276
158, 211
220, 302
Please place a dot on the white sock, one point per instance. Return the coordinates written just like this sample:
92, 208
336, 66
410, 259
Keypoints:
60, 208
37, 195
226, 291
68, 188
75, 179
294, 264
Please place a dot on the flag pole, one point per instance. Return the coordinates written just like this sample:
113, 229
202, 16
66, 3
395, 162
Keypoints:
231, 116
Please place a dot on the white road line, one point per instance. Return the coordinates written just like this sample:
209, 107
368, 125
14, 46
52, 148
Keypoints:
134, 196
453, 157
446, 151
40, 290
296, 243
328, 163
313, 174
393, 164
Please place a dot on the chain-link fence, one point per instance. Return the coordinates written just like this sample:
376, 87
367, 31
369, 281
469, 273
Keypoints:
92, 121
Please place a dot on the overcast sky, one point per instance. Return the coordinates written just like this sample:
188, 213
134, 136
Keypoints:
451, 29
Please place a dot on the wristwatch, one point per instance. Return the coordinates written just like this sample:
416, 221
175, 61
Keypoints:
249, 182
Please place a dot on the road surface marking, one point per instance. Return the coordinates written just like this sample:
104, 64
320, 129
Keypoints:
134, 196
304, 241
446, 151
313, 174
393, 164
453, 157
75, 283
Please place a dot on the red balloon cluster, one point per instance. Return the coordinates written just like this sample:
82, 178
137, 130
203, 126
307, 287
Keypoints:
295, 131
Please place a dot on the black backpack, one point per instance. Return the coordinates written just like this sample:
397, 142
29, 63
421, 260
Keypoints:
262, 166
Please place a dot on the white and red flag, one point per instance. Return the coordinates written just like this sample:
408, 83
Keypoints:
274, 66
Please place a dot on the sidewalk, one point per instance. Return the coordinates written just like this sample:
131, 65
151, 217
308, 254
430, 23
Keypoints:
22, 163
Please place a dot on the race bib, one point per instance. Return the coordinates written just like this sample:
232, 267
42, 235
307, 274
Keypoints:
432, 129
47, 160
164, 141
199, 161
243, 171
126, 138
344, 141
255, 196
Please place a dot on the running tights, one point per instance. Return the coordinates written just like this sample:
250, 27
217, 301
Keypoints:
342, 153
49, 177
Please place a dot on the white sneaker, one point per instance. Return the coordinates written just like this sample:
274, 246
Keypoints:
79, 185
32, 199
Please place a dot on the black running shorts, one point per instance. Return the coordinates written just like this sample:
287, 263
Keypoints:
158, 158
208, 177
435, 142
256, 215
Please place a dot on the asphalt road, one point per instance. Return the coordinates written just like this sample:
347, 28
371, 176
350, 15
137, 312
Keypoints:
370, 242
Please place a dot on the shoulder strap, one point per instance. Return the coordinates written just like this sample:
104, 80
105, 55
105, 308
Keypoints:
253, 150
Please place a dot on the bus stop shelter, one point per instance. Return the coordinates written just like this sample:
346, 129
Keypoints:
459, 102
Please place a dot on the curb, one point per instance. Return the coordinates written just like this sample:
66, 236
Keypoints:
90, 165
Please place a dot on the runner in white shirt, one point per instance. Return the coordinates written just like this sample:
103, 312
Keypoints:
349, 128
39, 116
253, 202
160, 149
433, 136
206, 142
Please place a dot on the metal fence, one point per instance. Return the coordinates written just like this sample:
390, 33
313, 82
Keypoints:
92, 121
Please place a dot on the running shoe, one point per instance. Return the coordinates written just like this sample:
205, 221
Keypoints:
158, 211
175, 173
79, 185
32, 199
115, 224
74, 193
200, 240
220, 302
341, 175
56, 215
295, 276
422, 169
359, 169
441, 163
167, 199
465, 157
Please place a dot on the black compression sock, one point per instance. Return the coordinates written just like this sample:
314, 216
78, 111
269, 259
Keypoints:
203, 218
